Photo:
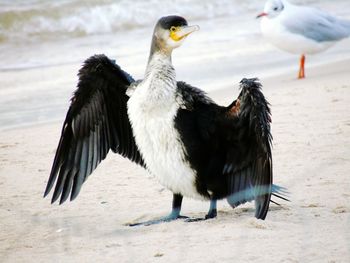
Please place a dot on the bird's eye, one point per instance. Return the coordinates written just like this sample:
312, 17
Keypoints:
173, 29
275, 9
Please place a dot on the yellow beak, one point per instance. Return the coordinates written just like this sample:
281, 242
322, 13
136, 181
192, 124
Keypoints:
182, 32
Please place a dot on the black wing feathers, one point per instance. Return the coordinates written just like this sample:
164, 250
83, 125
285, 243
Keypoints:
96, 122
229, 147
249, 161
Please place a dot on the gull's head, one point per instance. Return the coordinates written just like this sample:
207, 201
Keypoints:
170, 32
273, 8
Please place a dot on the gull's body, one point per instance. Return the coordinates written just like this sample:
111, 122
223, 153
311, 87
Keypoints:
301, 30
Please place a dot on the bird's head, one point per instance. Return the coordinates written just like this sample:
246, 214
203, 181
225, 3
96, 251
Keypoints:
170, 32
272, 8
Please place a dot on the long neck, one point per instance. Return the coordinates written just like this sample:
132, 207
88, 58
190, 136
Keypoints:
158, 46
160, 76
160, 82
160, 67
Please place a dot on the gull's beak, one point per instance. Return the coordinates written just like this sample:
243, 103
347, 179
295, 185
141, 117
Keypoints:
261, 15
182, 32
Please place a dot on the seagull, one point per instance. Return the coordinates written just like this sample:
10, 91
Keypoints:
300, 29
194, 147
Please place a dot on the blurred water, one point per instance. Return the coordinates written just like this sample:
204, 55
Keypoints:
39, 19
43, 44
22, 20
27, 26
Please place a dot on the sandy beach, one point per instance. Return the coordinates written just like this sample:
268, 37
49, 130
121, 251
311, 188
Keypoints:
310, 128
311, 150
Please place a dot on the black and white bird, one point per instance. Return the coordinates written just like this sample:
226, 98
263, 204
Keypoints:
193, 146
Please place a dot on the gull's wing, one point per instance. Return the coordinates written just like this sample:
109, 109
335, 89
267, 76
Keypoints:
315, 24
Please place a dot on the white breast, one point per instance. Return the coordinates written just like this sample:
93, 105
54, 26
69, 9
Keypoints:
152, 109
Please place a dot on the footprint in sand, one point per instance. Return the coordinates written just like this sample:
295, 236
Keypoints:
4, 146
340, 210
259, 224
312, 205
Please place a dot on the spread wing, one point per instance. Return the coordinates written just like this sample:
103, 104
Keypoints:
230, 147
96, 122
248, 166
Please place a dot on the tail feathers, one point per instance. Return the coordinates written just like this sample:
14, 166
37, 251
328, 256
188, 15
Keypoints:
258, 194
279, 192
248, 194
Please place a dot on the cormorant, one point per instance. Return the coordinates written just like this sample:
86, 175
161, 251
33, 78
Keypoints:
193, 146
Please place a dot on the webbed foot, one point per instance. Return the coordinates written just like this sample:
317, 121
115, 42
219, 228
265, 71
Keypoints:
211, 214
165, 219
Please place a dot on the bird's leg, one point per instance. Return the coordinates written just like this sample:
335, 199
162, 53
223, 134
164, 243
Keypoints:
212, 213
302, 67
174, 214
176, 208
